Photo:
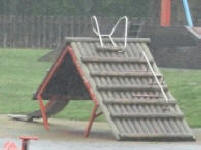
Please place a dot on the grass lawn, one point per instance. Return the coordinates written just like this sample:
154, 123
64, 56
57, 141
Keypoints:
21, 73
185, 86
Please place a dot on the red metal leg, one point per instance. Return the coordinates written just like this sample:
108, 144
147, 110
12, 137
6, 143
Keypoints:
25, 141
43, 112
92, 118
89, 89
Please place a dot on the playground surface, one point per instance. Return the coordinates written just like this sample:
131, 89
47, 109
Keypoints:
65, 134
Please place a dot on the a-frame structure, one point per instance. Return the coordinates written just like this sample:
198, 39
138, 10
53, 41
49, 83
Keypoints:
124, 84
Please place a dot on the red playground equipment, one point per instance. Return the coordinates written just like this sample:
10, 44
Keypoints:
165, 12
25, 143
165, 19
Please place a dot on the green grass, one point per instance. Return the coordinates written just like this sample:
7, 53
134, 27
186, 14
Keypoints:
185, 86
21, 73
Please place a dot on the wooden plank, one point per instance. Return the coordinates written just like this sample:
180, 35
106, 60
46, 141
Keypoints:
20, 31
39, 31
1, 31
14, 37
51, 32
5, 39
9, 31
59, 25
78, 24
148, 115
130, 87
110, 49
31, 32
47, 31
25, 28
72, 24
97, 59
137, 101
147, 96
34, 32
123, 74
44, 33
158, 137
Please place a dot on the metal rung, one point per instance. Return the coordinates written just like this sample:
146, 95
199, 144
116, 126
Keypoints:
133, 101
124, 74
112, 60
147, 115
129, 87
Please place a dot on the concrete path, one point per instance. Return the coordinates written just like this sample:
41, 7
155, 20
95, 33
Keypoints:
65, 135
73, 145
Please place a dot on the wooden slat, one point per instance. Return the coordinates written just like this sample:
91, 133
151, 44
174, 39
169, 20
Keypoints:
133, 101
147, 115
97, 59
175, 136
130, 87
124, 74
110, 49
147, 96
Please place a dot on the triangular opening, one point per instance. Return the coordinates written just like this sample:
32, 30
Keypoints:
66, 81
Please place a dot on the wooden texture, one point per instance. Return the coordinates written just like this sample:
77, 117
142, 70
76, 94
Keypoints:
133, 101
161, 118
124, 74
130, 87
146, 115
98, 59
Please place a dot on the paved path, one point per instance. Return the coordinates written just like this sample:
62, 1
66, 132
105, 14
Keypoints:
65, 135
65, 145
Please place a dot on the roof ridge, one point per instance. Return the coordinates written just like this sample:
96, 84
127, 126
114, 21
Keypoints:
96, 39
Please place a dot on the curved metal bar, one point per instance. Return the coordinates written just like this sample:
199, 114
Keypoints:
126, 29
96, 30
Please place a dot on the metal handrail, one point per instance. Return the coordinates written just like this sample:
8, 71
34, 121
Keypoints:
96, 30
153, 72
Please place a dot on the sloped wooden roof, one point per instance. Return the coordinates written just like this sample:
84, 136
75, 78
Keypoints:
124, 86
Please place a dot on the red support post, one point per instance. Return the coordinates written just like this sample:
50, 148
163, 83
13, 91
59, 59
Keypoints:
90, 90
92, 118
43, 112
165, 13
